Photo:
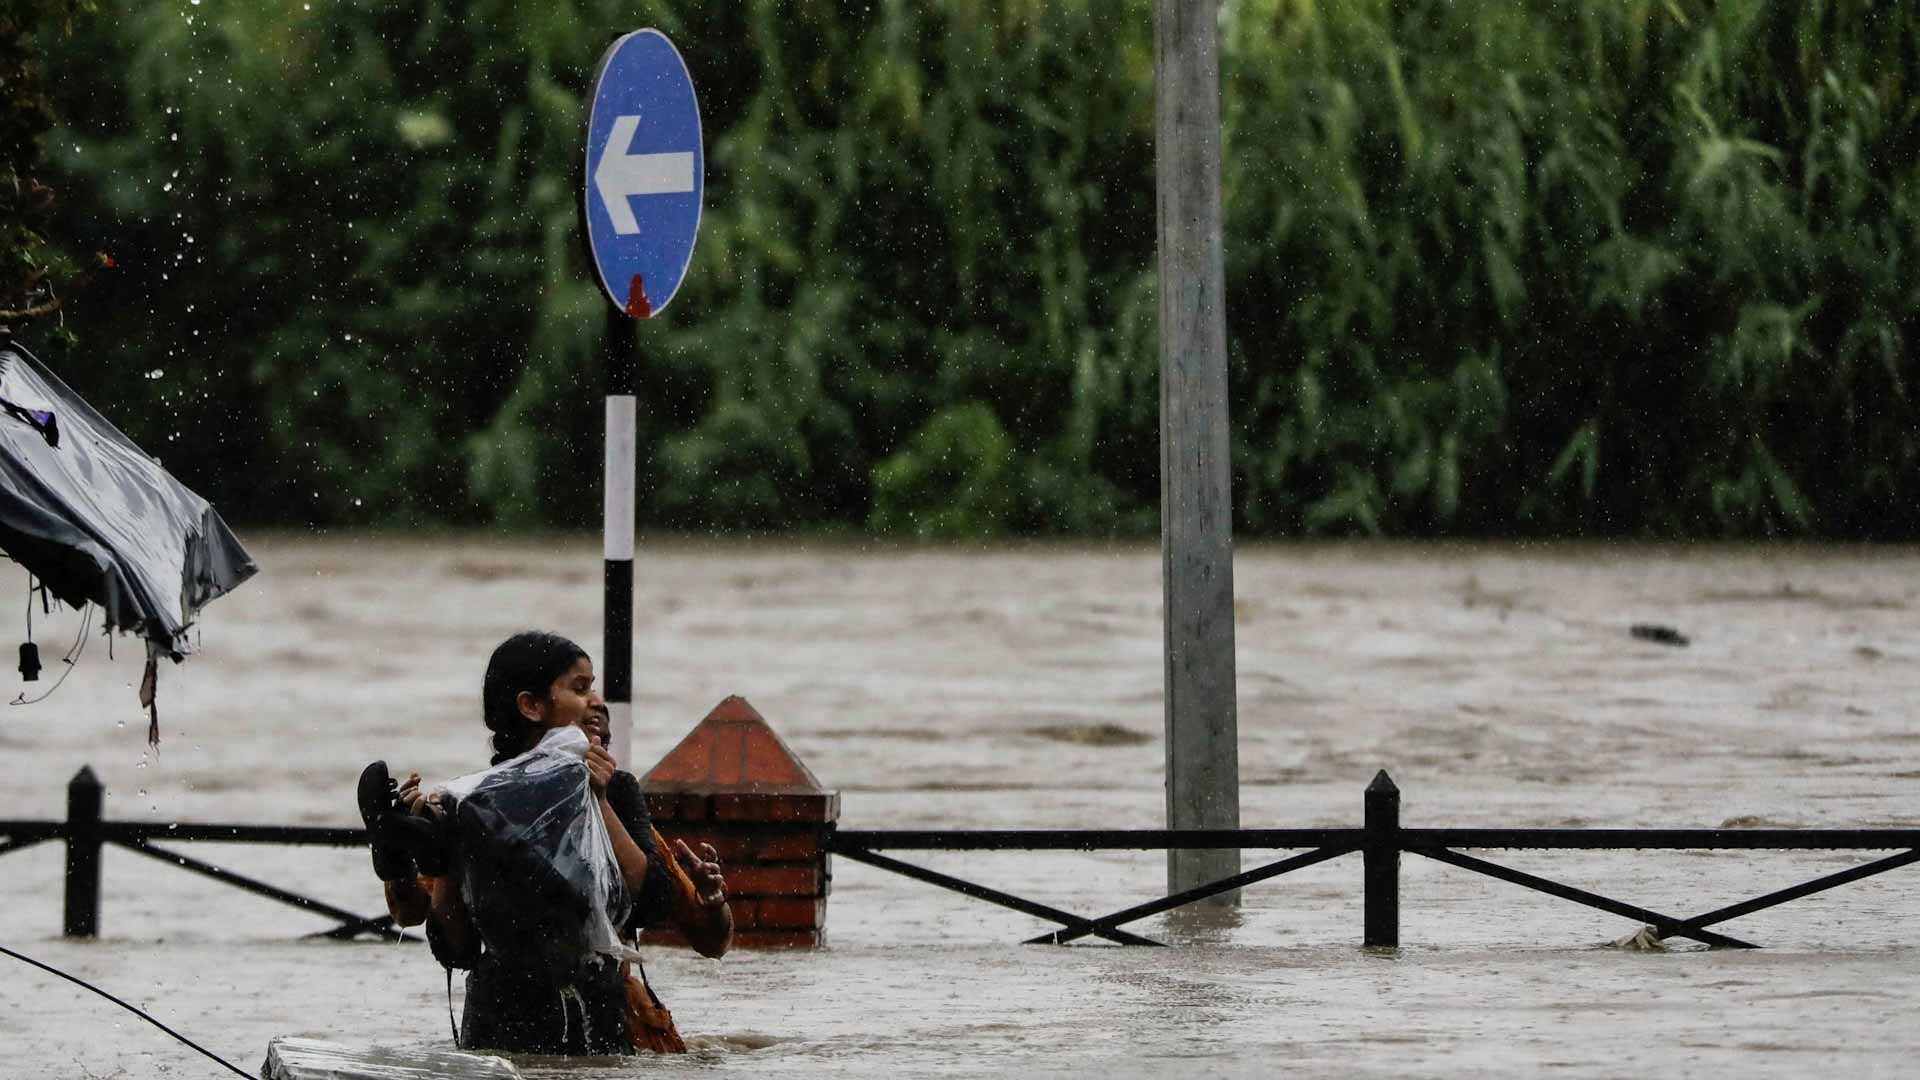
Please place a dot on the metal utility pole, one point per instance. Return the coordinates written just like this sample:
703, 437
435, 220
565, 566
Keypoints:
1196, 504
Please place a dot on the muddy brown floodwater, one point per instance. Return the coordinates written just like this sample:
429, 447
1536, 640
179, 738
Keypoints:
1020, 687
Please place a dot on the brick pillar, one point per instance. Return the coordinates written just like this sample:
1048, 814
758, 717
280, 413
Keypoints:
735, 784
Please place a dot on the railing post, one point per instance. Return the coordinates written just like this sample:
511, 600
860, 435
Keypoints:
1382, 857
85, 795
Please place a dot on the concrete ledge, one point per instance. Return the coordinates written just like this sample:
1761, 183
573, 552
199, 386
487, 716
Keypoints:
312, 1059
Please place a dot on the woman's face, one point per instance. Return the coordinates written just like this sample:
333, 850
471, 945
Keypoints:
571, 701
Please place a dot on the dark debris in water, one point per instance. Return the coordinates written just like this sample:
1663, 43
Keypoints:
1660, 635
1091, 734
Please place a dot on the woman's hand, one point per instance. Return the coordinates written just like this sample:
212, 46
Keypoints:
708, 921
600, 766
708, 884
409, 793
419, 803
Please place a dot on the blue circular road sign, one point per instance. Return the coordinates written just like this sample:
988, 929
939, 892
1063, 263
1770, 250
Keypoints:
646, 172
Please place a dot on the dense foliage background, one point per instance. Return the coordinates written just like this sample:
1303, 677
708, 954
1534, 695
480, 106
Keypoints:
36, 271
1516, 267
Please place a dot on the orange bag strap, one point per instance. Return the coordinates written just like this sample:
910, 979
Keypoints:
686, 899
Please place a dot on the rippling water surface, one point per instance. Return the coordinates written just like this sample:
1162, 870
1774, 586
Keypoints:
1020, 687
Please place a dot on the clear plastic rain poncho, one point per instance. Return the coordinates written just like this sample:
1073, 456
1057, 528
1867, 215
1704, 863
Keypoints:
535, 864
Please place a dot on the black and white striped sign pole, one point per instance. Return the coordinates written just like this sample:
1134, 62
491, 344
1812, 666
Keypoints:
640, 196
616, 677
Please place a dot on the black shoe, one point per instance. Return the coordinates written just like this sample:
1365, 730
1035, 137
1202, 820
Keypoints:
392, 861
430, 841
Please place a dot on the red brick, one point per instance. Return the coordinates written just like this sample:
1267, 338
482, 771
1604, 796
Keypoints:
780, 939
733, 749
733, 847
746, 916
787, 847
776, 808
791, 880
788, 913
744, 938
677, 806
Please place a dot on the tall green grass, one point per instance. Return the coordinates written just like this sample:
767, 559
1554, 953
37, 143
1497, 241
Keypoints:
1622, 267
1615, 267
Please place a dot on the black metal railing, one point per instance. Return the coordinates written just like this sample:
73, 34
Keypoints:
1381, 841
86, 832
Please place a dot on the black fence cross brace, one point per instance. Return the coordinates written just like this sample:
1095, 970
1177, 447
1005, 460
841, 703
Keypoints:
1073, 923
1201, 892
1774, 899
351, 925
1666, 925
1381, 841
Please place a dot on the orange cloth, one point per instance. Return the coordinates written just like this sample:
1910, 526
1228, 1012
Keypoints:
649, 1024
687, 909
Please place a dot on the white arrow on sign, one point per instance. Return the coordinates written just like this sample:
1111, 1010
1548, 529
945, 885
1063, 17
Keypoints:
621, 174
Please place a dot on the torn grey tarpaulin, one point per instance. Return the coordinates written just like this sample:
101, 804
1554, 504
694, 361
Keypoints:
96, 519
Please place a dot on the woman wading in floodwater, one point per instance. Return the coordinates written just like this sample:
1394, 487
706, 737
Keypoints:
537, 683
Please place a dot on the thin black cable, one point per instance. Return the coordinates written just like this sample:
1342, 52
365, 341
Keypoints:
80, 639
71, 659
135, 1011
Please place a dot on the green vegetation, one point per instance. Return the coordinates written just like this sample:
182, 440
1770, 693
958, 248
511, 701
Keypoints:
1515, 267
35, 273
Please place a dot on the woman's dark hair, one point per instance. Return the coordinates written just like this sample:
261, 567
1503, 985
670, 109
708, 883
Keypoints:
526, 662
